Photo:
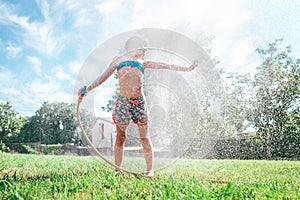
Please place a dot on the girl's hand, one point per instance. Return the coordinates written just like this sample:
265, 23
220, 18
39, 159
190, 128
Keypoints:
194, 65
82, 92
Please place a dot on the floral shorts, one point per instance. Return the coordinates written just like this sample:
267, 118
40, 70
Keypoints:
128, 109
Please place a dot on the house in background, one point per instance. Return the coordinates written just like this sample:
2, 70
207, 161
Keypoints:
103, 132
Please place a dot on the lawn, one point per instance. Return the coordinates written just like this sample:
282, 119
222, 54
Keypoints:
70, 177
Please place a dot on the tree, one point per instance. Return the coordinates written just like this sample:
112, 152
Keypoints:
291, 136
277, 89
237, 105
53, 123
10, 123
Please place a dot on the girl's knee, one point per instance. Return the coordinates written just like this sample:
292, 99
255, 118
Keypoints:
121, 136
144, 133
121, 128
120, 140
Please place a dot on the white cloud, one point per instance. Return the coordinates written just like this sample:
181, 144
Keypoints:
80, 13
12, 50
37, 63
108, 6
7, 79
74, 67
27, 97
5, 12
33, 94
37, 35
62, 26
10, 90
42, 88
60, 74
116, 16
241, 56
240, 50
220, 20
213, 16
82, 24
8, 82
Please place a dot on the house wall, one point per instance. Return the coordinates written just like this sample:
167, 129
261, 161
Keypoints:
103, 133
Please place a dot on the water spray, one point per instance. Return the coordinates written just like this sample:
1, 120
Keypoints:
180, 103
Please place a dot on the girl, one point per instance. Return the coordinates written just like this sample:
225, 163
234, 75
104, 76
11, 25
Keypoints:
131, 104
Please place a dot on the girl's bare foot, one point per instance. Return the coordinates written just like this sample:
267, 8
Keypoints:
150, 174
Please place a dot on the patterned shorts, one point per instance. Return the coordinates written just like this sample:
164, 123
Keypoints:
128, 109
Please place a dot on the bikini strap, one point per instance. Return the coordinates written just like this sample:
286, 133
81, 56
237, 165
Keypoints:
133, 63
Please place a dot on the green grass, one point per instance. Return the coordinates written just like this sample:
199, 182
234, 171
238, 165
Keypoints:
70, 177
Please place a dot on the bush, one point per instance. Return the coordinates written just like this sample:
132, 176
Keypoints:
240, 148
53, 150
4, 148
25, 148
28, 150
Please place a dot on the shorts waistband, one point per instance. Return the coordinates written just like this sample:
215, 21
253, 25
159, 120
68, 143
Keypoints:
130, 98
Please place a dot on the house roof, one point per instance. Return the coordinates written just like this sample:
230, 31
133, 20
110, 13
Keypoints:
106, 119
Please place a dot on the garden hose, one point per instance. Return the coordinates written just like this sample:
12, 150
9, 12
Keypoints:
96, 150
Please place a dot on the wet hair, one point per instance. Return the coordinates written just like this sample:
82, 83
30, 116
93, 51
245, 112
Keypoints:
135, 42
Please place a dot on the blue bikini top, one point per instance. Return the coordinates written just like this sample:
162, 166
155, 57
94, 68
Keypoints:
132, 63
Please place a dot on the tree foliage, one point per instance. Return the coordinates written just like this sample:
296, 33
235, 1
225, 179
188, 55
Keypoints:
10, 123
53, 123
276, 104
269, 102
237, 105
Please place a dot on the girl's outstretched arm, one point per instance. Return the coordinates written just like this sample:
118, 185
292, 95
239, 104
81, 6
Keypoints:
162, 65
103, 77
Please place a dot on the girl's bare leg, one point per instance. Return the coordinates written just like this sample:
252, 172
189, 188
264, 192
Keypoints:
147, 146
119, 145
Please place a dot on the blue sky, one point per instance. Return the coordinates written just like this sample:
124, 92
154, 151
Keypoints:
44, 43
